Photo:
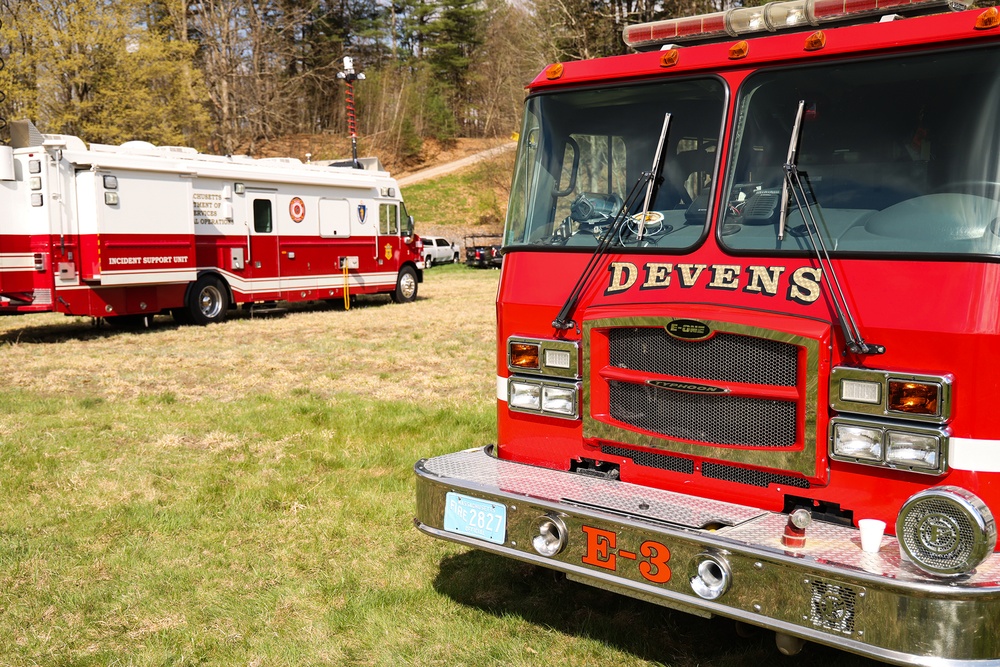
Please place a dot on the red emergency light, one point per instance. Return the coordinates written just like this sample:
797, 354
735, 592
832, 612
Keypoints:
772, 17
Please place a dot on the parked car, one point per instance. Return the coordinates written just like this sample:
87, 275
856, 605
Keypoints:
483, 252
439, 250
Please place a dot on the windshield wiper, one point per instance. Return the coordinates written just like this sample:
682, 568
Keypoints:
793, 183
650, 179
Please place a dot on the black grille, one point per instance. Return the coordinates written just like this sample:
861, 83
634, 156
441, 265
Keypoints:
724, 357
712, 418
750, 476
652, 459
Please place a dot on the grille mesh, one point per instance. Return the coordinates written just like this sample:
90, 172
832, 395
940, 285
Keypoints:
652, 459
715, 419
832, 607
724, 357
750, 476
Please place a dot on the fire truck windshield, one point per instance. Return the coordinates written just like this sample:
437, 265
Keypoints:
583, 151
896, 155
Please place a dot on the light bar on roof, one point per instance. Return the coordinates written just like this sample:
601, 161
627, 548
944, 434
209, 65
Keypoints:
772, 17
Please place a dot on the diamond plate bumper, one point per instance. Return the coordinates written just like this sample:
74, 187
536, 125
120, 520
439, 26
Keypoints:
648, 543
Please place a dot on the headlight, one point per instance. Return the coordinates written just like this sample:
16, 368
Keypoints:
925, 398
540, 356
525, 396
559, 400
913, 449
857, 442
892, 445
556, 399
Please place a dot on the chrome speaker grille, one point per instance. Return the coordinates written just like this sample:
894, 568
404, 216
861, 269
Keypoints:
831, 607
724, 357
715, 419
946, 530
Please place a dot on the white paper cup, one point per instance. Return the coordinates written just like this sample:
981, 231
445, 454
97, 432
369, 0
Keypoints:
871, 534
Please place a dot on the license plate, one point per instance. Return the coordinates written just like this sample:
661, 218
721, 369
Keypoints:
477, 518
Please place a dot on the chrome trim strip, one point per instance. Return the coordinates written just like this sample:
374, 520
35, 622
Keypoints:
802, 460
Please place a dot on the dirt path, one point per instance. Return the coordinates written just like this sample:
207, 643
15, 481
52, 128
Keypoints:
455, 165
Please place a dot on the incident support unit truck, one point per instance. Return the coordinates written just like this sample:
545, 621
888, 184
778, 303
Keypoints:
750, 297
126, 232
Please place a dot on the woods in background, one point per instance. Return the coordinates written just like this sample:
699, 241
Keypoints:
221, 75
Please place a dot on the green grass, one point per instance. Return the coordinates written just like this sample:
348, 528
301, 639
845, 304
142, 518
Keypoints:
243, 494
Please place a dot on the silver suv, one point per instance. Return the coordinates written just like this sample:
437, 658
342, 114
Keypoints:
438, 250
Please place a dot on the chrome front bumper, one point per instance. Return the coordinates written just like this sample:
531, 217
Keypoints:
649, 543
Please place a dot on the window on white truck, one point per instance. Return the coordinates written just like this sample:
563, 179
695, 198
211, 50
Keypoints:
262, 220
388, 216
896, 155
583, 151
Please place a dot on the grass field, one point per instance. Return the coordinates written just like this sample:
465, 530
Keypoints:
242, 494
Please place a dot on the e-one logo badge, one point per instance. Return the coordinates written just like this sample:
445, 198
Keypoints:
689, 329
689, 387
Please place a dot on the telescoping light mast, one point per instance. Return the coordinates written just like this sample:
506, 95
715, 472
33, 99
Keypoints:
350, 76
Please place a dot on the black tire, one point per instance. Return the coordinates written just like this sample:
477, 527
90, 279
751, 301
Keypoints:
428, 262
406, 286
181, 315
455, 259
208, 301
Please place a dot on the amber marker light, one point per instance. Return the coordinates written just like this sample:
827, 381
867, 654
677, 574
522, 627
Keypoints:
990, 18
524, 355
739, 50
815, 41
918, 398
554, 71
670, 58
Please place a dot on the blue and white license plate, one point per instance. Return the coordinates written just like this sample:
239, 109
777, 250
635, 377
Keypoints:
477, 518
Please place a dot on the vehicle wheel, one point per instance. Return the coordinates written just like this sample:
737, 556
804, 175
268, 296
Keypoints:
181, 315
455, 259
428, 262
207, 301
406, 286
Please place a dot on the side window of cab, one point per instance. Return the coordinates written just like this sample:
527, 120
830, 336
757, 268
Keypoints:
388, 218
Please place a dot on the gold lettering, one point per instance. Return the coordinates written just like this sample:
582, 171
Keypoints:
623, 275
689, 273
657, 275
804, 287
724, 276
764, 279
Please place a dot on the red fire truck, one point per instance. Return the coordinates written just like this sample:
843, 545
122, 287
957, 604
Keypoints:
749, 302
126, 232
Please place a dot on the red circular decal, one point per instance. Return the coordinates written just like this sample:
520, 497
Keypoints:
297, 209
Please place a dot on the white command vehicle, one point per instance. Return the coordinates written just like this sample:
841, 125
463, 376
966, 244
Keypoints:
125, 232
